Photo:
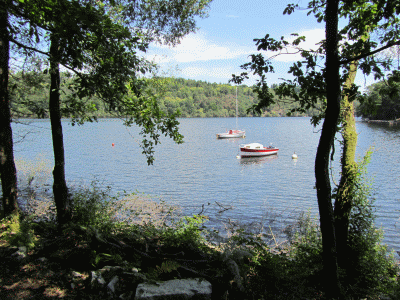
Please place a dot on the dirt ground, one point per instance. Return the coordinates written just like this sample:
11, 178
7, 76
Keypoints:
37, 278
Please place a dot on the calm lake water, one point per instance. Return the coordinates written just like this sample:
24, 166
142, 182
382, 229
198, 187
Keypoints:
205, 174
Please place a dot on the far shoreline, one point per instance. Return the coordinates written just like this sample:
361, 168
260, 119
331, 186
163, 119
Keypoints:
389, 122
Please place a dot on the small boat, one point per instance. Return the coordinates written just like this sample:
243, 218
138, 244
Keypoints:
231, 134
256, 149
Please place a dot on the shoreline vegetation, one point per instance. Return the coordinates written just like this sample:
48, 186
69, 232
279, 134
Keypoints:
128, 241
390, 122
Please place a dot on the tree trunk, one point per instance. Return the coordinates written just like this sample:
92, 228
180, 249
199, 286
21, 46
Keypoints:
60, 189
344, 201
8, 171
324, 192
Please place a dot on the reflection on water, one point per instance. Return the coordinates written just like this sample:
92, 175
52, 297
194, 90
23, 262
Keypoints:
385, 127
257, 160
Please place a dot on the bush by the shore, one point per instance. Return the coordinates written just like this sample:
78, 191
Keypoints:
151, 237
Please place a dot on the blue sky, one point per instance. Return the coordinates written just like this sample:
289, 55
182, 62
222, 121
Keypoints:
224, 40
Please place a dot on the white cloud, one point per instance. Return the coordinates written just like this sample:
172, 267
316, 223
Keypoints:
313, 38
195, 47
194, 72
198, 56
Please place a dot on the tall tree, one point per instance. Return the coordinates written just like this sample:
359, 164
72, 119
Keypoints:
344, 198
323, 183
325, 85
99, 42
8, 171
343, 201
60, 189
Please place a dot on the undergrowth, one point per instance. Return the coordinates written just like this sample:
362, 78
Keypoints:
246, 264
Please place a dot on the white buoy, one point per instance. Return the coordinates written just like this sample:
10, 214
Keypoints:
294, 156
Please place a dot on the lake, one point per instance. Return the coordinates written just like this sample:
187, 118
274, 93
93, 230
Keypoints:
204, 173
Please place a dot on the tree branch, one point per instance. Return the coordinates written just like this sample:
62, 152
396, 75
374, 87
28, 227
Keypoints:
28, 48
73, 70
322, 5
283, 53
298, 50
364, 55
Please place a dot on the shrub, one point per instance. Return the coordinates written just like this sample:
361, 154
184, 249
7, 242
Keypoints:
33, 192
18, 233
96, 207
93, 206
187, 231
370, 270
276, 271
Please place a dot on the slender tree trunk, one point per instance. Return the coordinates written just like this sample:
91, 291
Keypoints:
8, 171
344, 201
60, 189
324, 192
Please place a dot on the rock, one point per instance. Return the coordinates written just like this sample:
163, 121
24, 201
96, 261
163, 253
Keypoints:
96, 281
111, 286
113, 281
110, 268
109, 272
121, 283
76, 274
175, 289
20, 254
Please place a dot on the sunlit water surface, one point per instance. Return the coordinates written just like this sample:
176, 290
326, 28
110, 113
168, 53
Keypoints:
205, 175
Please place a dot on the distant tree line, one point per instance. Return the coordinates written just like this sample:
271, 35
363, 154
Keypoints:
382, 100
191, 98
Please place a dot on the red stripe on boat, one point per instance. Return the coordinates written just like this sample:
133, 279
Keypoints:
257, 150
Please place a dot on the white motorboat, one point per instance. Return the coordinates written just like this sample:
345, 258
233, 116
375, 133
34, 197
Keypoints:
256, 149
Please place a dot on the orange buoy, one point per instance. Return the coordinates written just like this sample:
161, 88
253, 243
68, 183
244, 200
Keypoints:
113, 144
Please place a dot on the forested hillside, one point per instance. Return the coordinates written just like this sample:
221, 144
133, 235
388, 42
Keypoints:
203, 99
192, 98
